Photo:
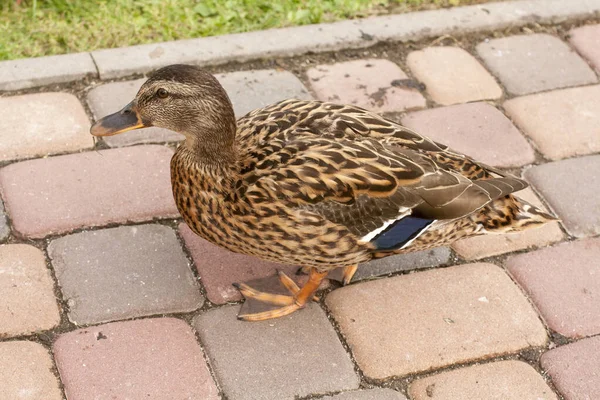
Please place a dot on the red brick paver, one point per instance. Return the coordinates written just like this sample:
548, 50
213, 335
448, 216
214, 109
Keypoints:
27, 302
586, 40
452, 75
575, 369
123, 272
249, 90
145, 359
571, 189
111, 97
297, 355
378, 85
59, 194
477, 247
503, 380
440, 317
26, 372
40, 124
477, 129
562, 123
564, 284
534, 63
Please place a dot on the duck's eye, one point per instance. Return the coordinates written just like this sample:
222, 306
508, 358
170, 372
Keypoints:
162, 93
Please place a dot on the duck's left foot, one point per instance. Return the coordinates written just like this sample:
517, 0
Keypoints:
287, 304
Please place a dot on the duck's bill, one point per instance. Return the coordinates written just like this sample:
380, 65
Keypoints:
122, 121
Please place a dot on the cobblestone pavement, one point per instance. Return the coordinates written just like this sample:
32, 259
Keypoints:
106, 294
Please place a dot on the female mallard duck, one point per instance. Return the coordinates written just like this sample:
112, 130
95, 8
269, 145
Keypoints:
314, 184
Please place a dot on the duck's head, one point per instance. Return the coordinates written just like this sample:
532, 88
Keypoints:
181, 98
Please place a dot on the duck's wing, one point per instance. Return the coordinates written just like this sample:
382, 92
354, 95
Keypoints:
381, 192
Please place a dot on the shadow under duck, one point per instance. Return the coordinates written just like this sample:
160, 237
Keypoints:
313, 183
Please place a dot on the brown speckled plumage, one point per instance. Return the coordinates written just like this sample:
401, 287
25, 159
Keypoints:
308, 182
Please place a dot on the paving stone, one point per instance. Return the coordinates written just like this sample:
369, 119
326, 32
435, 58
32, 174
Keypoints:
564, 283
441, 317
26, 372
452, 75
575, 369
156, 358
533, 63
123, 272
249, 90
297, 355
59, 194
479, 130
111, 97
32, 72
42, 123
562, 123
586, 40
571, 189
358, 33
378, 85
26, 292
403, 262
503, 380
372, 394
4, 229
477, 247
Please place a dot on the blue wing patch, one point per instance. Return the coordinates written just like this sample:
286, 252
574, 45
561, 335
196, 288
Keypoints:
400, 232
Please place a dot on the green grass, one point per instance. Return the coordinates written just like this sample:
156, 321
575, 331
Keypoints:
45, 27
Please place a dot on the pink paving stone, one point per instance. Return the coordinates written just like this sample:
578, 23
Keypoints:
439, 317
378, 85
42, 123
564, 283
586, 40
477, 129
562, 123
144, 359
452, 75
220, 268
575, 369
111, 97
27, 301
503, 380
59, 194
26, 372
477, 247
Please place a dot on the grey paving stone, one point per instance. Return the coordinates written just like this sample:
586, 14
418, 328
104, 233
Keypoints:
372, 394
111, 97
123, 272
31, 72
402, 262
571, 189
339, 35
258, 88
586, 40
4, 229
575, 369
533, 63
279, 359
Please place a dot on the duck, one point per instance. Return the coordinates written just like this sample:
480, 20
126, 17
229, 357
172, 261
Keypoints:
322, 185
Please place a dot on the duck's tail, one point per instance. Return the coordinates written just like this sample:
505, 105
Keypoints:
511, 214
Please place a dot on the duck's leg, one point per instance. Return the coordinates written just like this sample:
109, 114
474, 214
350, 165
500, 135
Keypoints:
349, 272
289, 303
